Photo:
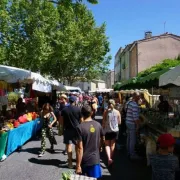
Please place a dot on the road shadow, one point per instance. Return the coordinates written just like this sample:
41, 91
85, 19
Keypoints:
31, 150
124, 169
36, 151
48, 162
106, 177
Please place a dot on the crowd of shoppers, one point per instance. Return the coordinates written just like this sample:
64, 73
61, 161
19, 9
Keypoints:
80, 129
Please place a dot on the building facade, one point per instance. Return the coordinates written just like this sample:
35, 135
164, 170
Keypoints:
91, 85
117, 66
125, 63
108, 77
145, 53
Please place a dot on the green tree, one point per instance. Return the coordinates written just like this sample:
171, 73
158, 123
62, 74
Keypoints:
68, 2
63, 42
26, 32
80, 47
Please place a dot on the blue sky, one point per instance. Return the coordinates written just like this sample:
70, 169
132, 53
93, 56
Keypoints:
127, 20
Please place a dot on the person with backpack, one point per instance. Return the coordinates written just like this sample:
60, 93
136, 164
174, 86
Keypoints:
110, 124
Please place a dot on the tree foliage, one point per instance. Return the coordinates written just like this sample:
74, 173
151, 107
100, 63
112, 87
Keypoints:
167, 63
67, 2
62, 41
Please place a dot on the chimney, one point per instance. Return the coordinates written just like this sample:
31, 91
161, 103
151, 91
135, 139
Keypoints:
148, 34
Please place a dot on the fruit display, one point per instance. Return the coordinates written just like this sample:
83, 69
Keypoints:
13, 123
9, 125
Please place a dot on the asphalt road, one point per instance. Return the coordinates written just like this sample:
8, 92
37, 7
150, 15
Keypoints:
25, 165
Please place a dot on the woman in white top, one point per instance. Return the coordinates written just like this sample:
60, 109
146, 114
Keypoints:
111, 121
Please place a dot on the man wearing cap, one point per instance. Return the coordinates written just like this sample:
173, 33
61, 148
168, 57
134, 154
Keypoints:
70, 119
165, 164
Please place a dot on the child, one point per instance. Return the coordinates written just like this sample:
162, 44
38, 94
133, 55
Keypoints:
164, 164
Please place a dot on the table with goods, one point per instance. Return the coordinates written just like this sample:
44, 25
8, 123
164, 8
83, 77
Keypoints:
159, 123
14, 133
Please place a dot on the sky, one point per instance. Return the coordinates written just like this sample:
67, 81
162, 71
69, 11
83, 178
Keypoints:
127, 20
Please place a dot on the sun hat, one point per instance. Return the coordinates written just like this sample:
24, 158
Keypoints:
63, 96
166, 140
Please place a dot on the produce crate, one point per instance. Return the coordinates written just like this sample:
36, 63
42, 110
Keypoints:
80, 177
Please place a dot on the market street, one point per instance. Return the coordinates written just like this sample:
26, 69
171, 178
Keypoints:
25, 165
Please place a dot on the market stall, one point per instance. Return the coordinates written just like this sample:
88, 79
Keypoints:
57, 85
16, 130
3, 142
73, 89
18, 136
170, 77
12, 74
104, 90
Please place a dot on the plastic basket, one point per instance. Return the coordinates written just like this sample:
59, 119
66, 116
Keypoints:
80, 177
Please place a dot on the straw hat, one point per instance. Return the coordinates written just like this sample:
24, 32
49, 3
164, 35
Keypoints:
63, 96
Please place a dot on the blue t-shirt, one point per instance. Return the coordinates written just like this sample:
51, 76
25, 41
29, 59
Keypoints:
100, 99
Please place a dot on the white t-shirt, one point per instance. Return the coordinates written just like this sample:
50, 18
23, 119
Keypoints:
112, 121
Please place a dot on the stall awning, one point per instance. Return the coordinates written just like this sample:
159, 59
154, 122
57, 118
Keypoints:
13, 74
170, 77
152, 76
72, 88
57, 85
148, 81
40, 83
104, 90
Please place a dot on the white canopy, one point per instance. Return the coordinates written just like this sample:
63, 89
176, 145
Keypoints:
71, 88
170, 77
57, 85
104, 90
40, 83
13, 74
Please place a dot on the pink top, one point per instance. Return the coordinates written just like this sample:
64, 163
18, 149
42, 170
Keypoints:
80, 98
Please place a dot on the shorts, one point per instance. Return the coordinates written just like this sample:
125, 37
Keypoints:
111, 136
92, 171
70, 136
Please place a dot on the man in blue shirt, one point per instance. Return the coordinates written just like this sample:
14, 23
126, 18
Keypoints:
100, 100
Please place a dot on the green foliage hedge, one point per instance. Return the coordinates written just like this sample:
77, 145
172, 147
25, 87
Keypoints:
167, 63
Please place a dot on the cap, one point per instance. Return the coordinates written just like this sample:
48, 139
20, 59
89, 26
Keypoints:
166, 140
111, 101
63, 96
72, 99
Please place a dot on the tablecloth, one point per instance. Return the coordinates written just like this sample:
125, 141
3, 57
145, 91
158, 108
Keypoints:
17, 137
3, 141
